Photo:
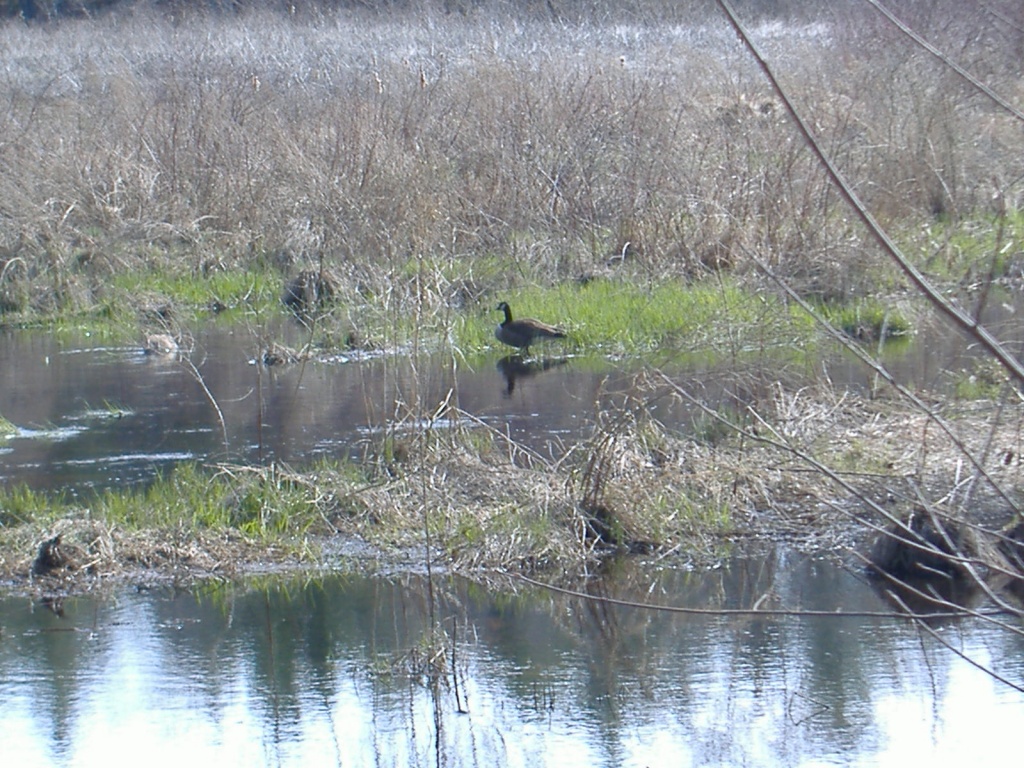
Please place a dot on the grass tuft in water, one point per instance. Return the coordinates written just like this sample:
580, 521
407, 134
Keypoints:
983, 248
984, 380
7, 428
20, 505
186, 496
868, 320
194, 295
268, 504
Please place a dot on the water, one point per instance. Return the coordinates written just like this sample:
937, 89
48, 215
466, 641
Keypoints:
95, 416
334, 671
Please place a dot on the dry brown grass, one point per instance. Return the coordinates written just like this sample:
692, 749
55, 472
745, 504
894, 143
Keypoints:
818, 468
101, 555
215, 142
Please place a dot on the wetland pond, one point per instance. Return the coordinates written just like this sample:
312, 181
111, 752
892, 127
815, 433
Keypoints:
342, 669
93, 416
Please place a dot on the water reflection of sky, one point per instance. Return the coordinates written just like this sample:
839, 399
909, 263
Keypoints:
303, 673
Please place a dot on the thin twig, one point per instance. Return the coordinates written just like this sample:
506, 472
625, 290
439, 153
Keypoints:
882, 371
978, 665
971, 79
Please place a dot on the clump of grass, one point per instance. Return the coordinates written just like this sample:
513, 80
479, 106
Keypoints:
267, 504
868, 320
109, 410
115, 411
6, 427
223, 289
184, 496
210, 520
20, 504
636, 486
984, 248
165, 299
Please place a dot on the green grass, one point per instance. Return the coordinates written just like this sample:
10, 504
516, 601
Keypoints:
702, 321
979, 248
221, 290
603, 317
184, 496
984, 380
109, 410
6, 427
158, 298
19, 505
625, 318
868, 320
263, 505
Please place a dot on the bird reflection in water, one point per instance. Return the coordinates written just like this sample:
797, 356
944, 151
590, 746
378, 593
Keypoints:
515, 367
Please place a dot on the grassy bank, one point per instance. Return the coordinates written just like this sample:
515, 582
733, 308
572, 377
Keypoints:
477, 502
611, 317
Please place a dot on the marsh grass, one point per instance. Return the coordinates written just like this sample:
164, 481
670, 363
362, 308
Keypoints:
22, 505
869, 320
266, 504
985, 380
984, 249
200, 295
626, 178
618, 317
485, 502
6, 427
213, 158
637, 486
200, 520
453, 160
113, 410
604, 316
109, 409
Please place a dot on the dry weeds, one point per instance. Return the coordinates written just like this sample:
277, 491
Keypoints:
364, 143
98, 555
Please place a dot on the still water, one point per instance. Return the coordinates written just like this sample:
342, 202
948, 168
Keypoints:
91, 416
336, 670
345, 670
94, 416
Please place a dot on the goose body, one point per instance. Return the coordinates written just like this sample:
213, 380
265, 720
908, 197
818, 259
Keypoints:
522, 333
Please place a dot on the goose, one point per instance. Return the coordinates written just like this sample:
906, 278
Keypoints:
522, 333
